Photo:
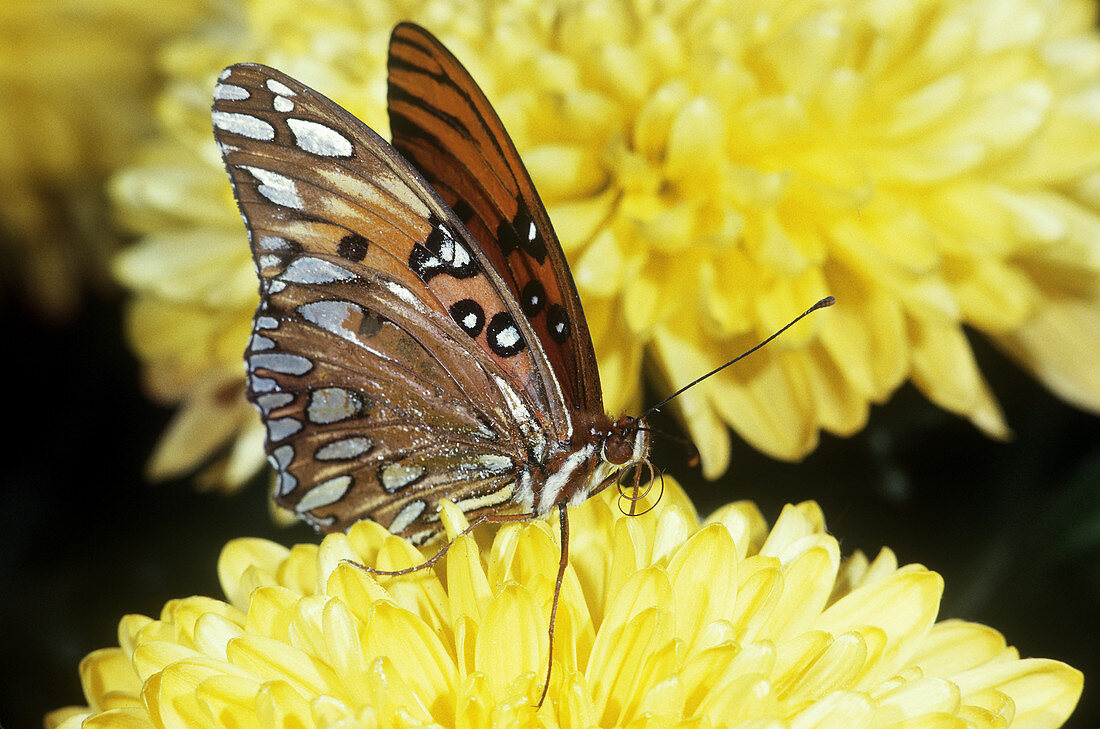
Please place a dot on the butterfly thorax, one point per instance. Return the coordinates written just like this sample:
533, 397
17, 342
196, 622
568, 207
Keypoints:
588, 462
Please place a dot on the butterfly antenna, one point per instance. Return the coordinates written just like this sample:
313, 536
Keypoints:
827, 301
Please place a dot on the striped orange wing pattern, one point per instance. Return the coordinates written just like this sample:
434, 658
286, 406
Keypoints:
443, 124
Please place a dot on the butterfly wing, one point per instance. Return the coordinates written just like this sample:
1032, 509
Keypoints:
443, 124
420, 425
389, 360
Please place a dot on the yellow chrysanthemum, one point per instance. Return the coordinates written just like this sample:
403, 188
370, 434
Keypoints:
664, 622
712, 169
77, 83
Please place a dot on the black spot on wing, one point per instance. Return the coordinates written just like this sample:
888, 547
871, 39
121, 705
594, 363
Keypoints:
291, 247
503, 336
530, 238
463, 211
507, 240
469, 315
558, 322
353, 247
532, 298
371, 324
442, 254
521, 232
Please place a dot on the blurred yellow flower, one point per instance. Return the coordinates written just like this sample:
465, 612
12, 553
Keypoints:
77, 80
664, 622
712, 169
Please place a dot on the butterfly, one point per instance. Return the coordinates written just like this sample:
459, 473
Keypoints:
419, 335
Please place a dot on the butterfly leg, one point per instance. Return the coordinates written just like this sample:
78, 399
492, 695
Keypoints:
483, 519
563, 519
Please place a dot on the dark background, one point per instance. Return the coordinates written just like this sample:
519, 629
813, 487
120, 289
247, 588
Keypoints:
1013, 527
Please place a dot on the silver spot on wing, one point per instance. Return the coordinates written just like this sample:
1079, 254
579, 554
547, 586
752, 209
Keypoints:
277, 188
407, 516
318, 139
331, 316
344, 449
332, 404
285, 483
396, 476
284, 364
325, 493
282, 428
245, 125
230, 92
280, 88
283, 456
273, 243
262, 384
260, 343
280, 459
272, 400
310, 270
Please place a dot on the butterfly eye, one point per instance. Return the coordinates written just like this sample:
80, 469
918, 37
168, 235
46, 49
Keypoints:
618, 448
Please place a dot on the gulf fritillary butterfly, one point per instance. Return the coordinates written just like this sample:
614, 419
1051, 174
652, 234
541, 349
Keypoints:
419, 335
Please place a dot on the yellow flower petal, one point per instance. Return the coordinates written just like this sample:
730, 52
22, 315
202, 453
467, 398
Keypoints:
242, 555
958, 645
118, 719
664, 621
106, 674
510, 640
703, 575
415, 649
1044, 691
1055, 342
70, 716
276, 661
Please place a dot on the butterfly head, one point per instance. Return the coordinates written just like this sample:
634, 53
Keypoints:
625, 451
623, 444
626, 441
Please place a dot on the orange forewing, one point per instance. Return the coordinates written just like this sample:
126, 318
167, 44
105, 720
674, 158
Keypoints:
443, 124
